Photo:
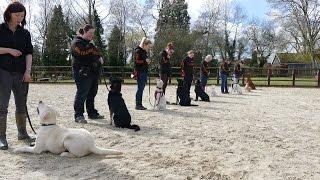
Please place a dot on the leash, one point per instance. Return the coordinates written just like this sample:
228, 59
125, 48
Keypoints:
27, 113
150, 89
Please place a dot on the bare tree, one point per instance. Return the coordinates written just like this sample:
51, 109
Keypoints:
303, 18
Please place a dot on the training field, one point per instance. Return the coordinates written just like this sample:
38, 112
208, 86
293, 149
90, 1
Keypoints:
271, 133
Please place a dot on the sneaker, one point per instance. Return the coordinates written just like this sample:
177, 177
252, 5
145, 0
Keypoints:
81, 120
97, 116
3, 143
140, 108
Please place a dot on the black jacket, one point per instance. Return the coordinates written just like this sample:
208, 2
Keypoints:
84, 53
19, 40
204, 68
187, 67
140, 57
164, 63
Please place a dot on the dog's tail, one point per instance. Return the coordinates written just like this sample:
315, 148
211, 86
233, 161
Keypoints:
101, 151
134, 127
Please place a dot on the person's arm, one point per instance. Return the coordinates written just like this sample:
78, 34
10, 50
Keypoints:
84, 51
13, 52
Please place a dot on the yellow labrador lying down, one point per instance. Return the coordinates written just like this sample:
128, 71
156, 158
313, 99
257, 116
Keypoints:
63, 141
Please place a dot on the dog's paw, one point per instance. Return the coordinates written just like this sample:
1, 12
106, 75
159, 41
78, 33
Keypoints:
17, 150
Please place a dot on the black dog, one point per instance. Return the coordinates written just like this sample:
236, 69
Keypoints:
118, 110
182, 96
200, 92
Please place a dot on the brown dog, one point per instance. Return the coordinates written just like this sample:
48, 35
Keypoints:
249, 82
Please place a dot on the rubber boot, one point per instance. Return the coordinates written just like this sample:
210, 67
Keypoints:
3, 129
21, 126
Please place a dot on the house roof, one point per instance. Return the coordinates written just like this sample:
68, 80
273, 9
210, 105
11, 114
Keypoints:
286, 58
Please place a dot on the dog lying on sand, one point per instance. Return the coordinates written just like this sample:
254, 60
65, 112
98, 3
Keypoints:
118, 110
63, 141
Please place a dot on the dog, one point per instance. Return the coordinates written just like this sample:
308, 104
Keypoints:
182, 96
200, 92
249, 82
160, 99
213, 92
247, 87
118, 110
58, 140
235, 87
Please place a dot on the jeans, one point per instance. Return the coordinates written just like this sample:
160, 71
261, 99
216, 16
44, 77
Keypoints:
203, 80
224, 83
87, 88
12, 81
141, 80
164, 78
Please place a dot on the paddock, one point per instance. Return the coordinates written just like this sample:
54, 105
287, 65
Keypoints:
270, 133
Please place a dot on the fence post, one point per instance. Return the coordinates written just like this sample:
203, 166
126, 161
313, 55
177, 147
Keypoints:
269, 76
318, 78
293, 77
218, 76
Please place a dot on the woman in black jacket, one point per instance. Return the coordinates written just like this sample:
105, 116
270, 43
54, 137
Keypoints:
15, 67
164, 65
86, 64
141, 62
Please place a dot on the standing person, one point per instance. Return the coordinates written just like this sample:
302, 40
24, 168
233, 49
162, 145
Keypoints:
187, 71
15, 67
224, 72
86, 64
165, 66
141, 62
204, 72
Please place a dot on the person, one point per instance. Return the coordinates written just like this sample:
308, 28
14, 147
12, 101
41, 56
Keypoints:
224, 72
187, 71
204, 71
86, 65
141, 65
237, 72
15, 66
165, 66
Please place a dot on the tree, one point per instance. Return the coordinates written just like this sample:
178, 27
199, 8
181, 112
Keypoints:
173, 25
98, 41
301, 18
116, 56
56, 42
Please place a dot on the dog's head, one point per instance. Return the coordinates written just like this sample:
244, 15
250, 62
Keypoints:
159, 83
115, 84
47, 114
180, 82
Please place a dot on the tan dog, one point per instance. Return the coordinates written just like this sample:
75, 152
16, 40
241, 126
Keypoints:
63, 141
249, 82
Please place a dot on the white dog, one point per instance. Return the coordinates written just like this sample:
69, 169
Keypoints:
160, 99
235, 87
59, 140
213, 92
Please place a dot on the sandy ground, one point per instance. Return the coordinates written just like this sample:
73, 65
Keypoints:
271, 133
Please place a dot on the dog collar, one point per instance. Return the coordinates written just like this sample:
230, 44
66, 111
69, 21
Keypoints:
48, 124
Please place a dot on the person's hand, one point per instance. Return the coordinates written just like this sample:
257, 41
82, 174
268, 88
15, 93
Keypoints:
27, 76
148, 61
15, 53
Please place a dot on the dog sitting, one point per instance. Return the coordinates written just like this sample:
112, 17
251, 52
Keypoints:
63, 141
247, 87
200, 92
249, 82
213, 92
160, 99
182, 97
235, 87
118, 110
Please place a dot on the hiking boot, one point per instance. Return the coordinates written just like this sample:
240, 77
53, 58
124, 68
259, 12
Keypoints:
96, 116
81, 120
